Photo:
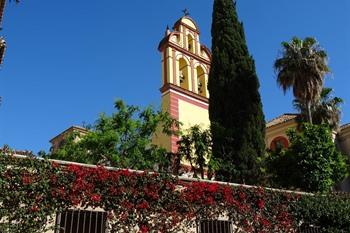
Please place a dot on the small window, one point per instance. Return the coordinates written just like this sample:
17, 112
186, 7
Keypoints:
81, 221
215, 226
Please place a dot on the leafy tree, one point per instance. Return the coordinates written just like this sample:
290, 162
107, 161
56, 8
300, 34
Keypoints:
302, 67
235, 109
329, 213
311, 163
121, 140
195, 147
324, 111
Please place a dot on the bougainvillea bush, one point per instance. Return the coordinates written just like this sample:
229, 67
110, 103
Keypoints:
33, 190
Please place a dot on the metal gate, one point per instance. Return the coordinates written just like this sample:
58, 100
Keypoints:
214, 226
305, 228
81, 221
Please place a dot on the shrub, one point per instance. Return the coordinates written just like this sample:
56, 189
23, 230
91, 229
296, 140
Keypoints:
328, 212
311, 163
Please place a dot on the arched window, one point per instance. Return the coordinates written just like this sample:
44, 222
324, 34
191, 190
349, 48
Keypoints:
184, 74
190, 43
279, 143
201, 82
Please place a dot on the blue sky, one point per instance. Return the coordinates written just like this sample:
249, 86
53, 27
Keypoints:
67, 61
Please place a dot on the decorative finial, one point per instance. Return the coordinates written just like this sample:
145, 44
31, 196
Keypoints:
186, 12
167, 30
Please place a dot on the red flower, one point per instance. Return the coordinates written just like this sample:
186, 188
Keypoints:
53, 178
143, 205
54, 165
264, 222
210, 201
125, 172
213, 188
26, 180
261, 190
242, 196
103, 173
127, 205
34, 208
75, 201
61, 191
95, 197
261, 204
74, 168
144, 229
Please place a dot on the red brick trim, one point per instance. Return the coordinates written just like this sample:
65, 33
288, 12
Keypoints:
175, 96
189, 100
174, 112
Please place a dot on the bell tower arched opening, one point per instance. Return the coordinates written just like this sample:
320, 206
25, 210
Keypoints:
184, 74
201, 82
190, 43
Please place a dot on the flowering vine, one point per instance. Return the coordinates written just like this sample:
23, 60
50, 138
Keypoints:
34, 190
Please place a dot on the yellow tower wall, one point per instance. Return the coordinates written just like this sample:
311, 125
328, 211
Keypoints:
193, 114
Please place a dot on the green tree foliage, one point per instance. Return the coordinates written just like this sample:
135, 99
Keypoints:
329, 213
311, 163
326, 110
302, 67
195, 147
235, 109
123, 139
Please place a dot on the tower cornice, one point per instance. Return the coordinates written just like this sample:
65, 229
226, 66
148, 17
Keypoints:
180, 90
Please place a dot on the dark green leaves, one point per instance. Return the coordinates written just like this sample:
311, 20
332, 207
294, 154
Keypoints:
311, 163
235, 109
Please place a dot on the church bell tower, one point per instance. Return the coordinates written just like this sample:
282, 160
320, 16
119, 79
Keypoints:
185, 69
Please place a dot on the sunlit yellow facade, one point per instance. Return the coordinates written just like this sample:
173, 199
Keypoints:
185, 69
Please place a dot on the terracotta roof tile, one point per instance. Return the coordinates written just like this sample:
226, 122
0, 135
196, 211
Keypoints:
281, 119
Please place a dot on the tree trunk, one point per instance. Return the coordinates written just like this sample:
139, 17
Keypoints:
309, 116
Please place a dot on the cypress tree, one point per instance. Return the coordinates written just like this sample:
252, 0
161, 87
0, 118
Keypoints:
235, 109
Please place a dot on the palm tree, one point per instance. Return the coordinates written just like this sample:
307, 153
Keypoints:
326, 110
2, 40
302, 67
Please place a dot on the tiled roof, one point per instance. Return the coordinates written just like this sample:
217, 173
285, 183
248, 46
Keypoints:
347, 125
281, 119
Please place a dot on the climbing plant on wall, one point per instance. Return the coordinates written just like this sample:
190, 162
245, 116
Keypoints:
34, 190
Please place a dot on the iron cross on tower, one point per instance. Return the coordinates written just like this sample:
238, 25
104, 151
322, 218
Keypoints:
186, 12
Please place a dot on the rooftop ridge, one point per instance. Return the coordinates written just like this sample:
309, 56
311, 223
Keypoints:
281, 119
